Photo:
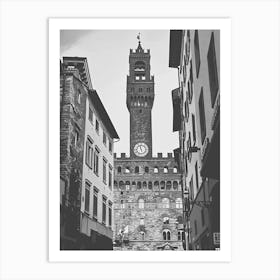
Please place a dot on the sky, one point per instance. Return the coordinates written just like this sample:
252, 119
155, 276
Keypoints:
107, 53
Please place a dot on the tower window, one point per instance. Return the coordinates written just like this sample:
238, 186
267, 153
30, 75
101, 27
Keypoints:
146, 169
175, 170
165, 169
166, 234
155, 169
162, 185
127, 170
137, 78
119, 169
150, 185
137, 169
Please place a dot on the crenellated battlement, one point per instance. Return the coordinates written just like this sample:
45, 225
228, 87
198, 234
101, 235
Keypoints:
159, 156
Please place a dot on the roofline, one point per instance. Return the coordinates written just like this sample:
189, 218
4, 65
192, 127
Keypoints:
98, 105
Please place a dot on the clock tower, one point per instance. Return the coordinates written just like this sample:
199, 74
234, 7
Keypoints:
139, 100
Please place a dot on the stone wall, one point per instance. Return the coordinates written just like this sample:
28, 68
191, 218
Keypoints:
143, 224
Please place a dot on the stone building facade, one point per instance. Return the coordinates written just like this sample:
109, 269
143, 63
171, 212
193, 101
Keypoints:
86, 162
147, 189
196, 105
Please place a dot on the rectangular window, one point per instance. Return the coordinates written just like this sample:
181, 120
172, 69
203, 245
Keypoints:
104, 138
76, 138
212, 70
104, 169
97, 126
191, 189
104, 199
191, 82
196, 177
196, 52
110, 177
110, 146
90, 114
110, 213
193, 129
89, 152
202, 116
187, 110
79, 97
96, 161
87, 197
95, 202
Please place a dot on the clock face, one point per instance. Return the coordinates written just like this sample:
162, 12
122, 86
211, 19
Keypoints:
141, 149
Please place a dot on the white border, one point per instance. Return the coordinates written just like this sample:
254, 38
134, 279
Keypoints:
55, 25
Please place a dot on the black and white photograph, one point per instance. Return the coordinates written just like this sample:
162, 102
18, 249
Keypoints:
140, 140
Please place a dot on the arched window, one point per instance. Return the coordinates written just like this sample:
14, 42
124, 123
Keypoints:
141, 203
127, 170
136, 169
155, 169
165, 169
121, 185
144, 185
150, 186
166, 220
119, 169
156, 185
165, 202
133, 186
166, 234
179, 203
175, 169
175, 185
139, 185
168, 185
162, 185
127, 185
146, 169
